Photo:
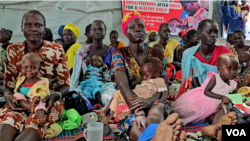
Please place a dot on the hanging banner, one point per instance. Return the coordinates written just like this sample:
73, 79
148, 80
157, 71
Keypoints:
180, 15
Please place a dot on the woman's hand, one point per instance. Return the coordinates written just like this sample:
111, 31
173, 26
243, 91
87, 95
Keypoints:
140, 104
140, 119
225, 100
9, 100
103, 78
50, 100
87, 74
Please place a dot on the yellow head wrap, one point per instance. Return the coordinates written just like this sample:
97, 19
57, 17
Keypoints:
73, 28
150, 32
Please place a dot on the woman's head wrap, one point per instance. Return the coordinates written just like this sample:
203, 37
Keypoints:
129, 17
59, 29
73, 28
182, 33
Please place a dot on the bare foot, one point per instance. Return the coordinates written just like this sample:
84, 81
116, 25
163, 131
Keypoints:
41, 122
228, 119
218, 133
169, 130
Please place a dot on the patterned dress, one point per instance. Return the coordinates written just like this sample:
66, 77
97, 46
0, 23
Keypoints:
2, 57
53, 64
234, 51
194, 106
123, 60
231, 18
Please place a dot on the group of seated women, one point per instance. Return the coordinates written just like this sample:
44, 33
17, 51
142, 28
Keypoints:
133, 77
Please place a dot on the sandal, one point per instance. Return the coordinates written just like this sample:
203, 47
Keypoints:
121, 136
89, 117
106, 128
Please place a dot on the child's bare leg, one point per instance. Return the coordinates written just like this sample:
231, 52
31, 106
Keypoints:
111, 118
40, 113
99, 100
40, 117
104, 112
155, 114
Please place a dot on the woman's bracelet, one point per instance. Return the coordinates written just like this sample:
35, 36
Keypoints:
140, 115
59, 94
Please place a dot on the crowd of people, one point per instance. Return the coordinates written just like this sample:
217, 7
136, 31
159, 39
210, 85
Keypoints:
131, 83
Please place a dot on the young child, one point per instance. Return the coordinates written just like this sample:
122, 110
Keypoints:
159, 46
151, 85
199, 103
92, 87
31, 87
230, 40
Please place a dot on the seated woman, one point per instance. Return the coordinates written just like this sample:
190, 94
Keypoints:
113, 36
21, 125
89, 39
48, 35
5, 37
60, 33
70, 35
239, 38
126, 67
192, 40
152, 37
230, 40
168, 44
183, 34
98, 32
201, 59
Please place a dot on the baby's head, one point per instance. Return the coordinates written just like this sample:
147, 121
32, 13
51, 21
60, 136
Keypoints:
244, 56
96, 61
174, 22
228, 66
151, 68
159, 46
31, 63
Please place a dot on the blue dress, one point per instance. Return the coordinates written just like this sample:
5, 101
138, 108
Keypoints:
231, 20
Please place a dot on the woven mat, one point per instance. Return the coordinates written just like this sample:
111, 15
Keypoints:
194, 127
77, 134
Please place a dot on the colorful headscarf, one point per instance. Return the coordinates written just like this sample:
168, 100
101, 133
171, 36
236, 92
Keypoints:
59, 29
150, 32
73, 28
129, 17
182, 33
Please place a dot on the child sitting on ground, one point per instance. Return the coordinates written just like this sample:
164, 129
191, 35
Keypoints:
91, 87
199, 103
31, 87
151, 85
